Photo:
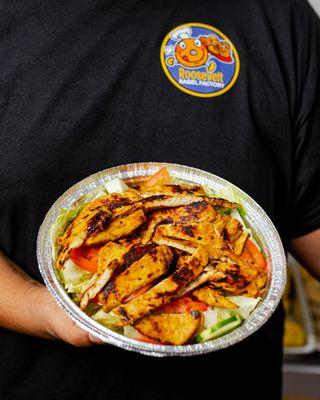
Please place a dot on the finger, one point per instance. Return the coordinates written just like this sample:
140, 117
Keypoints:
94, 340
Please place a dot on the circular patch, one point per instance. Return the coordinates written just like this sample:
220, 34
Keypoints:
199, 60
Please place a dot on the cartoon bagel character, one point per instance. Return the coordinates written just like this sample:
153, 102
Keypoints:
196, 52
191, 53
188, 51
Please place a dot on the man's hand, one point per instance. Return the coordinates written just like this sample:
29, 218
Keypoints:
26, 306
54, 323
306, 249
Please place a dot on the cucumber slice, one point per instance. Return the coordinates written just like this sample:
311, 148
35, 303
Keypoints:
219, 329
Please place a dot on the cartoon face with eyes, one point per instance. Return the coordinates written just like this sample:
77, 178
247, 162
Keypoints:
191, 53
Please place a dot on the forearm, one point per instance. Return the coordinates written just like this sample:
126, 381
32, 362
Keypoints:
19, 301
27, 307
306, 249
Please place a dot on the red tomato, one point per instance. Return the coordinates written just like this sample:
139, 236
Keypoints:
183, 305
252, 253
142, 338
86, 257
160, 177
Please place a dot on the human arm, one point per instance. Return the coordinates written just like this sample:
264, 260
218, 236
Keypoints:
27, 307
304, 218
306, 249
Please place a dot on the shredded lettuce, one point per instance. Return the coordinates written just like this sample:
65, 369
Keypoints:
92, 308
100, 316
116, 185
209, 191
210, 317
65, 217
225, 211
130, 332
229, 192
107, 319
246, 305
235, 214
179, 181
99, 194
216, 314
73, 277
224, 313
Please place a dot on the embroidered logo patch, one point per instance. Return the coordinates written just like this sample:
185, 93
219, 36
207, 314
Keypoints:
199, 60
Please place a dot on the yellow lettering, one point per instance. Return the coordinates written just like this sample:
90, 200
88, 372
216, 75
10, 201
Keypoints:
202, 76
181, 73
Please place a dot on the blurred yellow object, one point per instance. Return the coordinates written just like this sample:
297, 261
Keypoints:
293, 334
286, 304
286, 295
312, 287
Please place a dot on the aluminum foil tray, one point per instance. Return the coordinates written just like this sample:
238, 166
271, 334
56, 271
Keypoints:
264, 230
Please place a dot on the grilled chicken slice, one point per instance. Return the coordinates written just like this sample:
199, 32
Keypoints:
257, 286
79, 230
230, 229
213, 252
111, 257
196, 212
213, 297
208, 274
219, 203
196, 233
252, 290
161, 293
121, 225
261, 279
133, 194
171, 190
210, 229
95, 288
93, 218
181, 190
112, 251
164, 201
188, 246
173, 329
234, 282
151, 266
238, 245
182, 245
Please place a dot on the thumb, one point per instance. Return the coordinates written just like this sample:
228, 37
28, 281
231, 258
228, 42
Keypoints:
94, 340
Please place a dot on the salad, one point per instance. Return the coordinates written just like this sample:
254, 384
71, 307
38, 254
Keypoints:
164, 262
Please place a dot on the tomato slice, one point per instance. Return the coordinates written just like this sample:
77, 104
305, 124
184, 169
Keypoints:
252, 253
183, 305
160, 177
86, 257
143, 338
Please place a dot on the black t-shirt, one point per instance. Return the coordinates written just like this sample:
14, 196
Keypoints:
83, 89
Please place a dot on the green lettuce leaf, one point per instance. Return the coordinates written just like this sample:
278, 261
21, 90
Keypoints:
246, 305
229, 192
74, 278
65, 217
